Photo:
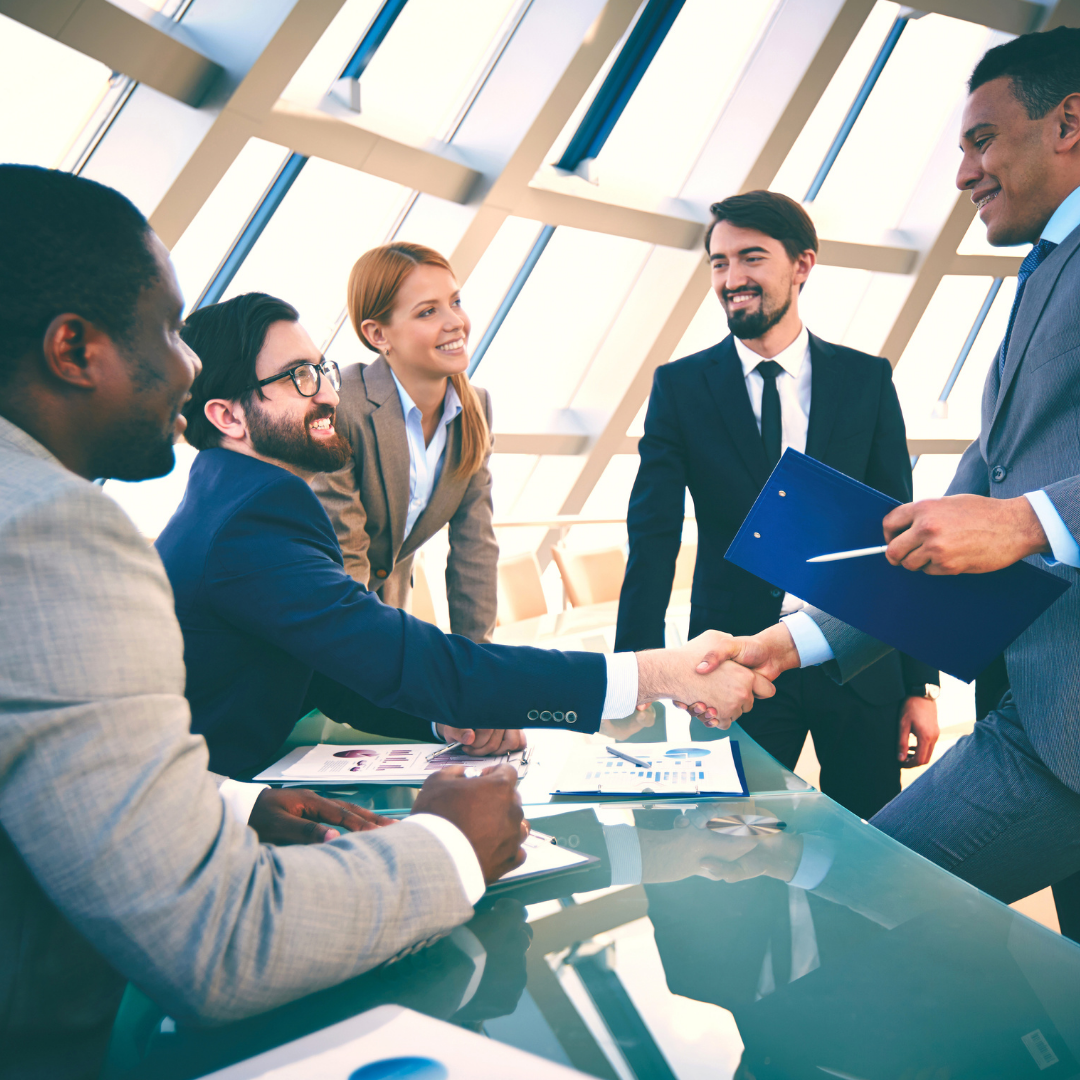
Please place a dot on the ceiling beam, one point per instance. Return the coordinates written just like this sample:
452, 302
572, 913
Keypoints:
1012, 16
241, 116
986, 265
317, 134
138, 43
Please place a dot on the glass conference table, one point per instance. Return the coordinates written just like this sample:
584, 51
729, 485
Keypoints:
820, 949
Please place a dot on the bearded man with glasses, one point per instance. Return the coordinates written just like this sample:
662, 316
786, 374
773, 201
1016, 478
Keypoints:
274, 626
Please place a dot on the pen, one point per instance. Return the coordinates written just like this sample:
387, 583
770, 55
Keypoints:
542, 836
722, 823
626, 757
836, 555
444, 750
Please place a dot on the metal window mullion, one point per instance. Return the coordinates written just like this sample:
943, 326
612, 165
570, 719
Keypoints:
861, 98
511, 296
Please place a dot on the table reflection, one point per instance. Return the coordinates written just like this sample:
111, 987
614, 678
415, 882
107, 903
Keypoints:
771, 938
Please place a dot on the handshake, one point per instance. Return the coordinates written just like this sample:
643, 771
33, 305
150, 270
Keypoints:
715, 676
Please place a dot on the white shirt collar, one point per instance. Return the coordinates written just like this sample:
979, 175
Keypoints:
451, 402
791, 359
1064, 219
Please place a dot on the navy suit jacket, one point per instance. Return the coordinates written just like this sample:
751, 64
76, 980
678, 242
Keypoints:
700, 433
274, 626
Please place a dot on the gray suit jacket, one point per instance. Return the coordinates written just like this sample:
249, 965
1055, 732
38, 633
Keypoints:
368, 501
117, 860
1030, 439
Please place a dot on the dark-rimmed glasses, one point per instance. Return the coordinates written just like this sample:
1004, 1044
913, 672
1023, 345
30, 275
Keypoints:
307, 378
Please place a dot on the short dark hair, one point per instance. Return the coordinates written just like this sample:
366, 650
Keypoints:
1044, 68
67, 245
771, 213
227, 338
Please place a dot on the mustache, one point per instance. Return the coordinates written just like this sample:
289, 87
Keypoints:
321, 412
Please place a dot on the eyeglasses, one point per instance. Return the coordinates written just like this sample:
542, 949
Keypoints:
307, 378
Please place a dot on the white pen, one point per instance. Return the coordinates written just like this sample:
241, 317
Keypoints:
628, 757
836, 555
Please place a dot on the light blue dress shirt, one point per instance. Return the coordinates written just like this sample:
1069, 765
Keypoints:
426, 459
808, 638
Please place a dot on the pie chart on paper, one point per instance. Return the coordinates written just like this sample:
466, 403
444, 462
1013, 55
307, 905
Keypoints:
402, 1068
688, 752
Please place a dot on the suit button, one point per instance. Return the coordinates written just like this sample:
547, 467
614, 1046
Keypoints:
380, 573
534, 715
999, 473
557, 717
545, 716
571, 717
776, 592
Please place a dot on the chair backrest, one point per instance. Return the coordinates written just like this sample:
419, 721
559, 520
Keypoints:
684, 567
590, 577
520, 592
421, 602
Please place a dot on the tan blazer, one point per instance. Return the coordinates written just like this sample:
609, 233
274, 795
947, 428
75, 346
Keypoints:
368, 501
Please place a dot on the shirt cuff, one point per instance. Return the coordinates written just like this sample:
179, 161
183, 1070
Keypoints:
809, 641
239, 798
1065, 549
458, 848
622, 685
817, 859
435, 733
624, 854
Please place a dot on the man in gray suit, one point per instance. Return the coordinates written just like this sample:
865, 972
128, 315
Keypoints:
1002, 808
118, 857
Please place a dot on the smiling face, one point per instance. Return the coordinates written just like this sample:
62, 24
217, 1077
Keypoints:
1010, 165
755, 279
285, 426
427, 334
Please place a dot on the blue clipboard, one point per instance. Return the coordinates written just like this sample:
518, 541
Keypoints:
957, 624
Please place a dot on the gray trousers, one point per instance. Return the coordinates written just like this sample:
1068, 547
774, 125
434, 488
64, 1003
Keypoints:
991, 812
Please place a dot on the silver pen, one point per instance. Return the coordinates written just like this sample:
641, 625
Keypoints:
627, 757
444, 750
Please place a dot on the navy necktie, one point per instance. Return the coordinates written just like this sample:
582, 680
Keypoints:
771, 424
1028, 267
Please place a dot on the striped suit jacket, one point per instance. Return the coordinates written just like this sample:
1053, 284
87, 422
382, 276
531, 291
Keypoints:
1030, 439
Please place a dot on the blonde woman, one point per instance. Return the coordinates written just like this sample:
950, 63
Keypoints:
421, 438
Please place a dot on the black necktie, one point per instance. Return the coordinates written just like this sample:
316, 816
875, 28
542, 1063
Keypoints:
1028, 267
771, 424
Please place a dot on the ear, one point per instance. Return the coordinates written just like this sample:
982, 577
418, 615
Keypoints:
228, 417
74, 350
1067, 125
805, 262
373, 332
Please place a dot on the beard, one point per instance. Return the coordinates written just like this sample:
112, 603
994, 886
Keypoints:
138, 451
750, 325
290, 441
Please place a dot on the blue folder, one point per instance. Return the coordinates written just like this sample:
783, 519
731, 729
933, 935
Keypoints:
956, 623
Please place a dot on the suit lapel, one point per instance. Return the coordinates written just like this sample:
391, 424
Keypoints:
1036, 294
826, 389
728, 387
388, 420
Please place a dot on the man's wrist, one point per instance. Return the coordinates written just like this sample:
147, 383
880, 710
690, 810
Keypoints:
1030, 532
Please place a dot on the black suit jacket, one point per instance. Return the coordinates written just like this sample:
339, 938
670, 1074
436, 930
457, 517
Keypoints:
700, 433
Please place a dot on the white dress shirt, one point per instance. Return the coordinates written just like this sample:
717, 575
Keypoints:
793, 388
810, 641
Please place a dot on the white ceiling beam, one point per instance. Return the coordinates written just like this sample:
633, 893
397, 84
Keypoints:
241, 116
317, 134
512, 184
986, 265
1012, 16
880, 258
937, 446
138, 42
